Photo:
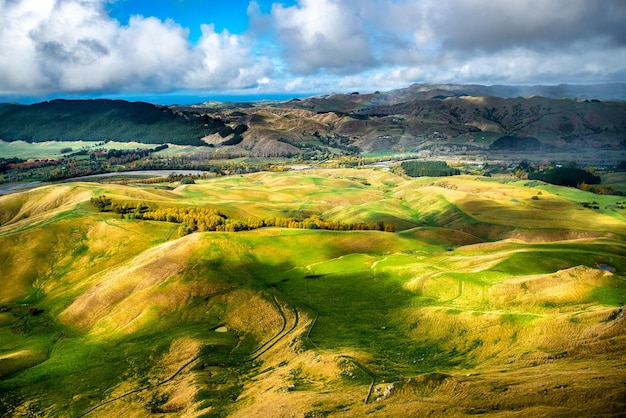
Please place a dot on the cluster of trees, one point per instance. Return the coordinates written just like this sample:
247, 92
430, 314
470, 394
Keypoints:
118, 156
7, 164
105, 204
565, 176
344, 143
236, 132
73, 167
97, 161
590, 205
210, 164
600, 189
428, 169
101, 202
206, 219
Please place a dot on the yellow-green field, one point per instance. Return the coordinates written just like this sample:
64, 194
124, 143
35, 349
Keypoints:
490, 298
52, 149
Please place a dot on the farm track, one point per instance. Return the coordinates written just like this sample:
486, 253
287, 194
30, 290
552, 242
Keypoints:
367, 372
169, 379
352, 359
107, 221
264, 348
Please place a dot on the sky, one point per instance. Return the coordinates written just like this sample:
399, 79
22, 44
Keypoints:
197, 50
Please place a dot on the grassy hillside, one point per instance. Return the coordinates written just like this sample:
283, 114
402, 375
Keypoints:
491, 298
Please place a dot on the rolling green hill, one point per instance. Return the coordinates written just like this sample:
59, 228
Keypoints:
495, 298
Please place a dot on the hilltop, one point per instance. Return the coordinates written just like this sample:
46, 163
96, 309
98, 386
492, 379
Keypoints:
494, 295
417, 118
421, 117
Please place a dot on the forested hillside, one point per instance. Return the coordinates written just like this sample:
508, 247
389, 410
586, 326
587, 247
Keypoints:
98, 120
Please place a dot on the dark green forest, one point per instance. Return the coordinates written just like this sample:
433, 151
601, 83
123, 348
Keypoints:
428, 169
101, 120
565, 176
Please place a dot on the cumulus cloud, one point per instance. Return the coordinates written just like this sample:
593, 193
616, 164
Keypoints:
322, 35
222, 60
74, 46
453, 40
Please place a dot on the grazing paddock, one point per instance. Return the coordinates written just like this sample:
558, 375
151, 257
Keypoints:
485, 300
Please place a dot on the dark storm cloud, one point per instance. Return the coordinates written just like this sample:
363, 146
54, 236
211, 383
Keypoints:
534, 24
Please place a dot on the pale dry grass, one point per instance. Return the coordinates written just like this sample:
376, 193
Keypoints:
443, 236
568, 289
316, 377
34, 206
514, 206
128, 297
180, 391
252, 313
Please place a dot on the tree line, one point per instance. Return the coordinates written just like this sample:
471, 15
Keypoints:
203, 219
206, 219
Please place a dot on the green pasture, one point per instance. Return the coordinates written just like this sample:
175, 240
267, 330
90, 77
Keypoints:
41, 150
52, 149
615, 180
91, 302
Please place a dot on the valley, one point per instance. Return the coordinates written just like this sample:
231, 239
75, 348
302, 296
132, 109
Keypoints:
495, 295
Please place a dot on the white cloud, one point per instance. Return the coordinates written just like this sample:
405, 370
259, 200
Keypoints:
322, 34
404, 41
74, 46
222, 60
50, 46
535, 24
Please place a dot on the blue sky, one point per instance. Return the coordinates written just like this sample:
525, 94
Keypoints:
225, 15
194, 50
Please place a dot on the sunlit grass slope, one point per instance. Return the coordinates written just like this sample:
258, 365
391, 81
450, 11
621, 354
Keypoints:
493, 298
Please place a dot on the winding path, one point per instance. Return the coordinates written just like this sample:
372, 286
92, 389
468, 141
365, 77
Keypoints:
265, 347
143, 388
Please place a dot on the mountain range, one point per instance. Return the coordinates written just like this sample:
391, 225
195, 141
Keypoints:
563, 117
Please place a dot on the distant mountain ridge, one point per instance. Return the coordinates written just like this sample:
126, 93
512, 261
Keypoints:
609, 91
413, 116
564, 117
